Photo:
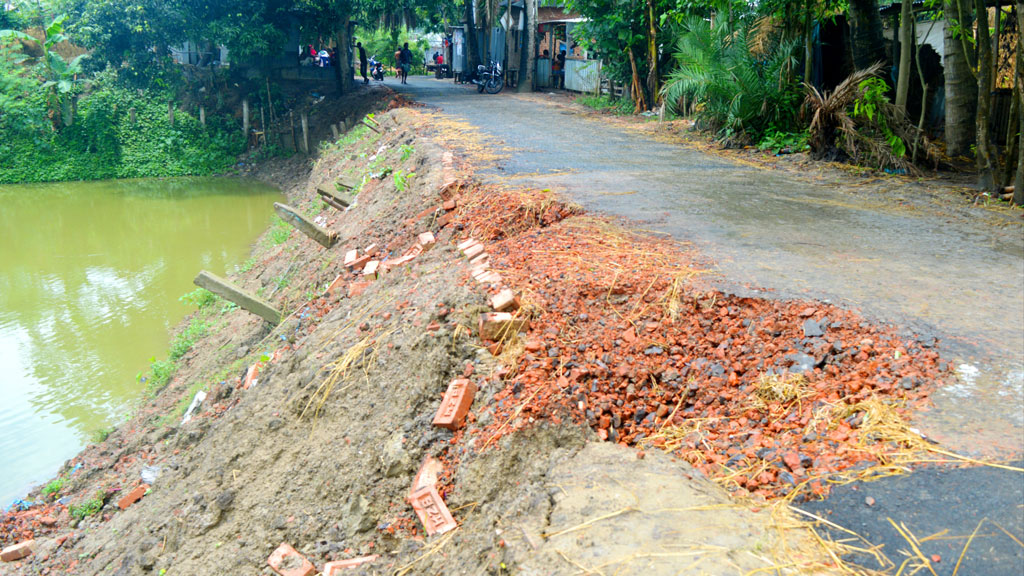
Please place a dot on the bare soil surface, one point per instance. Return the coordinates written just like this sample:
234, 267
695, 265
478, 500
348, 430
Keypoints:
645, 422
909, 251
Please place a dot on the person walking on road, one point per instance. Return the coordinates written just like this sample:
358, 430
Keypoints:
362, 62
404, 62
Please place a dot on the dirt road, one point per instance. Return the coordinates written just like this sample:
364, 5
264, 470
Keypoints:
900, 252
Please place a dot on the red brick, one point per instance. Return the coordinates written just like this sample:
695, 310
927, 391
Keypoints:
371, 268
250, 376
371, 250
357, 288
473, 251
482, 258
498, 325
287, 562
444, 220
430, 471
489, 278
17, 551
336, 284
350, 257
455, 404
332, 568
133, 496
466, 244
426, 240
389, 264
432, 512
505, 300
360, 262
449, 204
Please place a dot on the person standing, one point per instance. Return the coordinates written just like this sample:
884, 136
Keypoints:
405, 62
362, 62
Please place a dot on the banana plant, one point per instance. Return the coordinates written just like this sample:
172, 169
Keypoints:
60, 76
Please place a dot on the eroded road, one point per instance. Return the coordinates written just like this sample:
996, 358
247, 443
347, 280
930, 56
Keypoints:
892, 255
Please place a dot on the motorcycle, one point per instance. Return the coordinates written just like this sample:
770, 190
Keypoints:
489, 78
376, 69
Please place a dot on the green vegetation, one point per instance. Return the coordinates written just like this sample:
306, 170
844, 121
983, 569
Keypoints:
279, 231
200, 297
402, 179
102, 434
88, 508
406, 151
619, 106
183, 342
54, 487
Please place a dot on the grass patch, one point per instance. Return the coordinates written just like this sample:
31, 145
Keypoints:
247, 265
279, 232
183, 342
200, 297
87, 508
619, 106
102, 434
54, 487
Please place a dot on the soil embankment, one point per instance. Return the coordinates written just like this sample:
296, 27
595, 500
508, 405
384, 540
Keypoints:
641, 422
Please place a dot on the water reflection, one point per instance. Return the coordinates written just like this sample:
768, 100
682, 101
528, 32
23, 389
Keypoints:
90, 276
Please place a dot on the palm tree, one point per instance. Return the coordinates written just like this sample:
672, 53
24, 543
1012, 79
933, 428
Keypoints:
961, 86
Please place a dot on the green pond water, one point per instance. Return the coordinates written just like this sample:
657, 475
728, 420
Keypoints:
90, 279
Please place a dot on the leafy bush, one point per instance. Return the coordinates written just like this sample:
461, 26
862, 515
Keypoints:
54, 487
102, 142
200, 297
738, 92
85, 509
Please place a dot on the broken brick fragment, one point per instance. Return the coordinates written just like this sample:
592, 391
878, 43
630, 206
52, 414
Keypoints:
473, 251
133, 496
430, 470
17, 551
336, 567
335, 285
461, 246
458, 398
426, 240
358, 264
505, 300
250, 376
432, 511
449, 204
482, 258
500, 325
371, 268
357, 288
286, 561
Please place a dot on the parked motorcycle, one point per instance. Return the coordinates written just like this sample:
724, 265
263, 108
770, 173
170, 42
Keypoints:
489, 78
376, 69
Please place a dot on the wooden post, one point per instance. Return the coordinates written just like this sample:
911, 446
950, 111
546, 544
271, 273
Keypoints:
131, 115
334, 131
332, 199
245, 118
170, 113
291, 124
370, 126
202, 116
304, 118
228, 291
290, 215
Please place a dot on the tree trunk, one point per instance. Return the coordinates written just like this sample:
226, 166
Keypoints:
906, 45
808, 42
986, 154
961, 88
866, 33
343, 68
528, 58
472, 50
1018, 182
652, 55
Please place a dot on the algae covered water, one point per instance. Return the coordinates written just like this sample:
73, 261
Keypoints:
90, 279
